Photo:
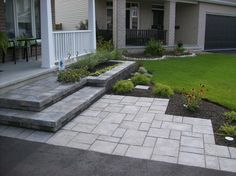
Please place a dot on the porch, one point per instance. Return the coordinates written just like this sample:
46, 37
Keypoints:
34, 20
134, 23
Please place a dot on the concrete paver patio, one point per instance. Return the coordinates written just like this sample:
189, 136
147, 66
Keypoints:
139, 128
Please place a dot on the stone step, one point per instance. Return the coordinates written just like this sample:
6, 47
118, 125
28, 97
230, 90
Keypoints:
38, 95
55, 116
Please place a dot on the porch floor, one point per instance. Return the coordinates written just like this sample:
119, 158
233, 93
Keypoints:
11, 73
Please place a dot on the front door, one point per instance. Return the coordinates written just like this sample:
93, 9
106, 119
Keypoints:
132, 15
158, 19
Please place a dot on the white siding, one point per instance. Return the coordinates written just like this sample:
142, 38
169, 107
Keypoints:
71, 12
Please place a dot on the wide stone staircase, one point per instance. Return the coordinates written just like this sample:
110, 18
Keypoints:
45, 104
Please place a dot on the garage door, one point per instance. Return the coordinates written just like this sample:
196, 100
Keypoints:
220, 32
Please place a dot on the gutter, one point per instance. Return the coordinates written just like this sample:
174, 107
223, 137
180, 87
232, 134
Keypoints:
219, 2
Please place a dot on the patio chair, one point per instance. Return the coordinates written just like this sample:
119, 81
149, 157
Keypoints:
35, 44
11, 46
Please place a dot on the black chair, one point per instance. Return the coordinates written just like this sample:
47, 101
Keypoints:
35, 44
12, 46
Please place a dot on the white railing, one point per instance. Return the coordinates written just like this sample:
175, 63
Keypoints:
71, 44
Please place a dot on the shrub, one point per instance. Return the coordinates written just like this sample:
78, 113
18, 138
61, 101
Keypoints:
231, 116
123, 86
193, 98
140, 79
72, 75
101, 71
228, 129
162, 90
142, 70
103, 45
179, 49
116, 54
154, 48
91, 60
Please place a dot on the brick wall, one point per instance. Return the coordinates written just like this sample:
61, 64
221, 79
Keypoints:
2, 16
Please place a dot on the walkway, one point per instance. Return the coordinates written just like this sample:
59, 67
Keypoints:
138, 128
35, 159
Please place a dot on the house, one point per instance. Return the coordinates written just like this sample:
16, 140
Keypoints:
201, 24
34, 19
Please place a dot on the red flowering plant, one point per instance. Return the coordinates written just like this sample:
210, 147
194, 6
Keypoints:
193, 98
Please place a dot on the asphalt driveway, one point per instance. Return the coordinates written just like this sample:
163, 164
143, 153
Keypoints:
24, 158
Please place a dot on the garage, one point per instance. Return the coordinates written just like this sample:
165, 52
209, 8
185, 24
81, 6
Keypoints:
220, 32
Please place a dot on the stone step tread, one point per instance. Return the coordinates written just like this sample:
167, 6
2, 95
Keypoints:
38, 95
55, 116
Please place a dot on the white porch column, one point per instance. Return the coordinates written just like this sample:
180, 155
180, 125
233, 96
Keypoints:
92, 22
169, 21
48, 52
119, 28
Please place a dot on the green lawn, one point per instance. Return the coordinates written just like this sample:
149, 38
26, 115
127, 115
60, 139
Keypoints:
216, 71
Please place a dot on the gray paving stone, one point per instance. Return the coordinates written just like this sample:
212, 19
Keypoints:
63, 137
99, 105
91, 113
227, 164
156, 124
167, 159
113, 108
149, 142
119, 132
174, 134
129, 109
209, 139
145, 104
129, 117
144, 99
109, 139
192, 142
11, 131
39, 136
166, 147
178, 119
202, 129
82, 127
144, 109
84, 138
139, 152
191, 134
158, 108
87, 120
109, 101
77, 145
212, 162
192, 150
129, 99
144, 126
133, 137
130, 125
197, 121
105, 128
176, 126
102, 114
117, 97
2, 128
103, 146
121, 149
232, 152
69, 125
26, 133
144, 117
217, 150
114, 118
163, 117
191, 159
155, 132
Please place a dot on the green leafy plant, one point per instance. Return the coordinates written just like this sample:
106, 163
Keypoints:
154, 48
231, 116
193, 98
179, 49
140, 79
123, 86
83, 25
101, 71
228, 130
3, 42
72, 75
103, 45
162, 90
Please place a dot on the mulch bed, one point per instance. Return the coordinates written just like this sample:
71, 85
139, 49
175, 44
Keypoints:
207, 110
102, 66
